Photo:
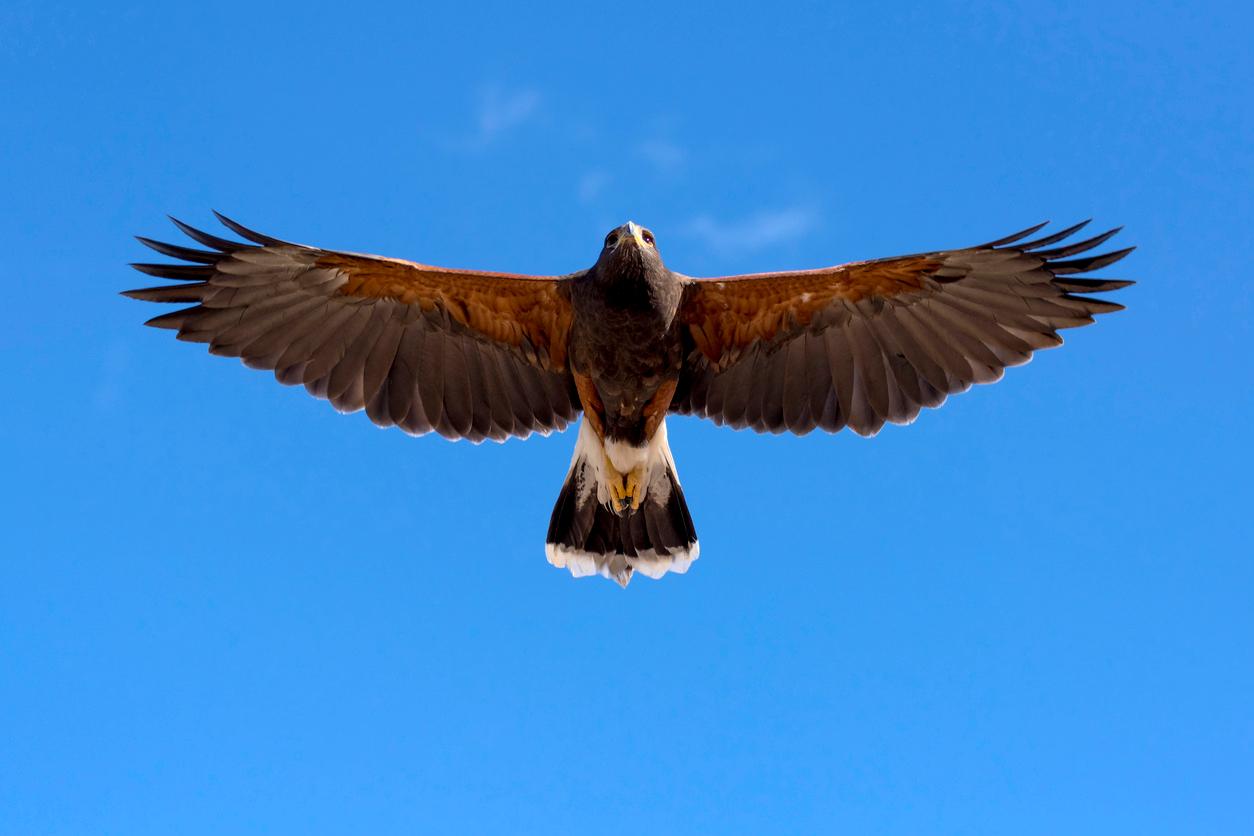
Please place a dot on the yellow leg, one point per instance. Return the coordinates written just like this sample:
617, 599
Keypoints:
618, 492
634, 487
626, 491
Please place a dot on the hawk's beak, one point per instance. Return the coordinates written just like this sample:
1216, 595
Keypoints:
633, 236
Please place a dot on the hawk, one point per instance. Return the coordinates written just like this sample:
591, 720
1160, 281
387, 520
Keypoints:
477, 355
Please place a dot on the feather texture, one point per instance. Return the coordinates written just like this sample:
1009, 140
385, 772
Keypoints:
872, 342
465, 353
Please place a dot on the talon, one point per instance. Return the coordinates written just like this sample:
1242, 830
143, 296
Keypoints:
626, 490
619, 495
634, 487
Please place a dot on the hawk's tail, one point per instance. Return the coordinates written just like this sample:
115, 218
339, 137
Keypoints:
587, 537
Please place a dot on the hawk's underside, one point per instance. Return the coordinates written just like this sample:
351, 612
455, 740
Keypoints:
477, 355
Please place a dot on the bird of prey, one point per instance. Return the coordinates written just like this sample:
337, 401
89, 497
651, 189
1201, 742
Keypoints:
475, 355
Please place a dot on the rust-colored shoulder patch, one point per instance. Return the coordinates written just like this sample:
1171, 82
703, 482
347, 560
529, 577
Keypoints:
655, 410
590, 401
515, 310
732, 312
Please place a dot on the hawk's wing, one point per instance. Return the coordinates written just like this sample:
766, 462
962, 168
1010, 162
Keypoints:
465, 353
875, 341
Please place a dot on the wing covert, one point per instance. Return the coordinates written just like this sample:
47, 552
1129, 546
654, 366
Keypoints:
870, 342
465, 353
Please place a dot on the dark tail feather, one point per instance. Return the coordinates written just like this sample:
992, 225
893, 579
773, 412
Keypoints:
588, 538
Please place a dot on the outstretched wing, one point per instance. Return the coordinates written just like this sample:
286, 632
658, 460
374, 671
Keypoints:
875, 341
468, 354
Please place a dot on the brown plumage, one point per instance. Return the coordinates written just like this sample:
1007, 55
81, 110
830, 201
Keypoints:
871, 342
472, 354
467, 354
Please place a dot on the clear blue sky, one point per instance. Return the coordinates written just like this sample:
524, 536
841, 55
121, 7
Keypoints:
224, 608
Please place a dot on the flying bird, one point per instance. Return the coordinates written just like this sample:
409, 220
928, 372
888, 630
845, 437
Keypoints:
477, 355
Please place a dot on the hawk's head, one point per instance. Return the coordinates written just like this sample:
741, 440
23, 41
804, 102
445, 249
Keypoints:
630, 248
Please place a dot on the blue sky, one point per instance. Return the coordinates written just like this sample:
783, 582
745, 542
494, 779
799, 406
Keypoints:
226, 608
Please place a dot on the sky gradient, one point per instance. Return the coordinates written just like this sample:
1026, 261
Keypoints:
226, 608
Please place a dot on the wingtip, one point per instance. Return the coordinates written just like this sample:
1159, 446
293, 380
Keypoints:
180, 225
171, 321
1017, 236
1052, 238
246, 233
202, 237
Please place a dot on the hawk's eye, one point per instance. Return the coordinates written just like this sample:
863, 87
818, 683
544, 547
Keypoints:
648, 237
611, 240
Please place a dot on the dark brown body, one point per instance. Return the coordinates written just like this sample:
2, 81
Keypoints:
625, 349
476, 355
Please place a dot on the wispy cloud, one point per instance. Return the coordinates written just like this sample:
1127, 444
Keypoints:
756, 232
592, 184
500, 111
664, 155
